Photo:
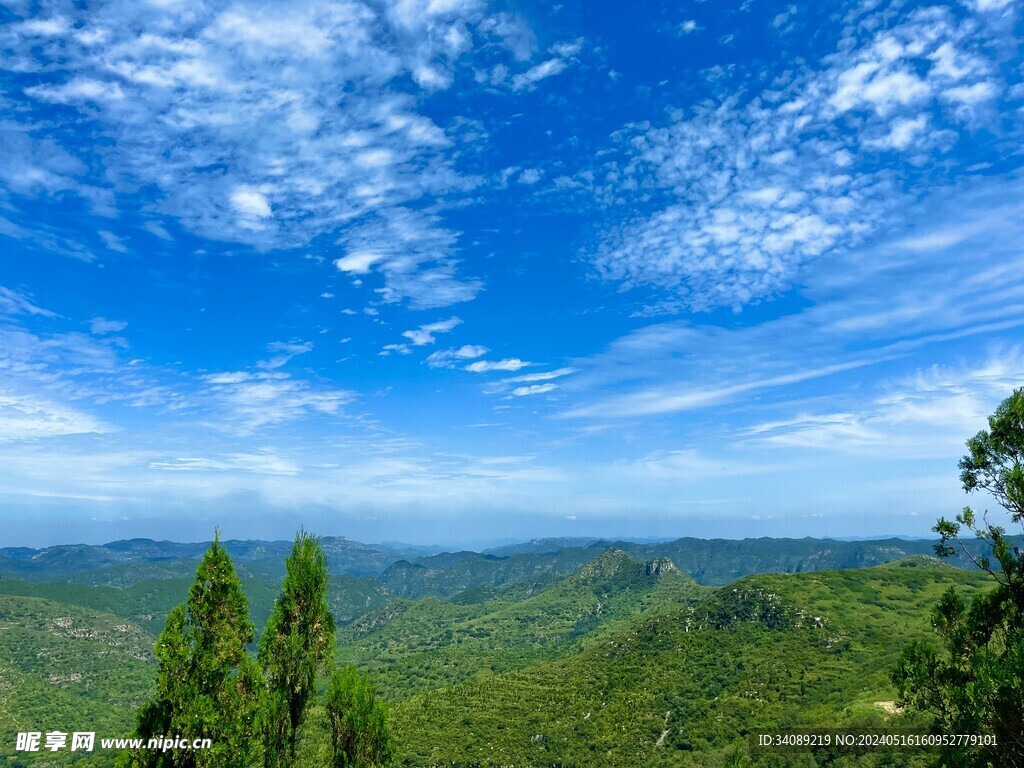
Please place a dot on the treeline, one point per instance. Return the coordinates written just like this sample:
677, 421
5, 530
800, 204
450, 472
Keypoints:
251, 708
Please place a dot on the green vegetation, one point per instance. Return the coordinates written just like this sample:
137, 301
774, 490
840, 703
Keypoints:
66, 668
207, 686
685, 685
622, 662
145, 603
295, 647
359, 732
251, 711
977, 684
412, 646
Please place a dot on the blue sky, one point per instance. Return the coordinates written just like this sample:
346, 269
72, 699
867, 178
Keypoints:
455, 271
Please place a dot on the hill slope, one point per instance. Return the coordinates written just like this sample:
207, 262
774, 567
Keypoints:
684, 686
417, 645
69, 669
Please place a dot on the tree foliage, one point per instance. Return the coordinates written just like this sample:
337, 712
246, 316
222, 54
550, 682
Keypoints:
977, 685
207, 685
295, 646
360, 737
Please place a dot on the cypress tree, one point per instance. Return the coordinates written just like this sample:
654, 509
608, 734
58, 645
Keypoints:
360, 737
296, 644
207, 686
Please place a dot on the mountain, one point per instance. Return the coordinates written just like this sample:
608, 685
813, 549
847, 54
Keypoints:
121, 563
721, 561
430, 642
448, 574
685, 685
414, 571
623, 661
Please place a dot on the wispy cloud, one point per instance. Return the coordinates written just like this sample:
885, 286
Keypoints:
262, 463
27, 417
533, 389
864, 308
449, 358
661, 400
925, 415
261, 126
540, 376
283, 352
14, 303
427, 334
565, 54
750, 190
250, 402
413, 253
486, 366
101, 326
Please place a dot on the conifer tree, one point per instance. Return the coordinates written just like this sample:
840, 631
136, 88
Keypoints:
207, 686
296, 644
360, 737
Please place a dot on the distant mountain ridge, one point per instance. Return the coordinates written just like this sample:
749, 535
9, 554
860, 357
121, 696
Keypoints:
415, 571
91, 563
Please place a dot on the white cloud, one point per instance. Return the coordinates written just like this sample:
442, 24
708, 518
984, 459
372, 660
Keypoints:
662, 400
14, 303
431, 78
248, 402
871, 306
542, 376
567, 49
970, 95
101, 326
284, 352
426, 334
925, 415
449, 358
262, 463
533, 389
28, 417
688, 27
868, 84
737, 198
358, 262
687, 464
413, 253
992, 5
250, 202
513, 32
43, 27
157, 229
112, 241
534, 75
262, 125
486, 366
531, 176
77, 91
903, 133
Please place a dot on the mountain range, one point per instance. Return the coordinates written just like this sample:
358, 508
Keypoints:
548, 653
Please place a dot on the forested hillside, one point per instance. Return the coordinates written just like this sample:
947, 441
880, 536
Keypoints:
623, 662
